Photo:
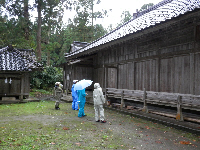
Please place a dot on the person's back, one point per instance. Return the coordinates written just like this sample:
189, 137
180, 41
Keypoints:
81, 95
98, 95
81, 100
99, 100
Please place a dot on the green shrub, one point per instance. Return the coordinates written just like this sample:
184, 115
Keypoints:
46, 79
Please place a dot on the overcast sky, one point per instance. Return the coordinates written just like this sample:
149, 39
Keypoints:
117, 6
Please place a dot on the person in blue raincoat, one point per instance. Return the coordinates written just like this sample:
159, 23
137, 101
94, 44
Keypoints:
81, 100
74, 96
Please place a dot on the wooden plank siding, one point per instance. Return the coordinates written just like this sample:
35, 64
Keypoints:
112, 74
76, 72
196, 78
174, 75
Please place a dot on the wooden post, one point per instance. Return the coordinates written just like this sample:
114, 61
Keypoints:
145, 108
106, 97
134, 76
158, 74
117, 77
192, 73
179, 115
108, 102
22, 88
122, 99
106, 80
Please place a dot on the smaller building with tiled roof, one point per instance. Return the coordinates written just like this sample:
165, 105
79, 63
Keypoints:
15, 66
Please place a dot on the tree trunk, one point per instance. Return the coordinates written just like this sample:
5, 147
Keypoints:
26, 17
39, 30
48, 58
47, 42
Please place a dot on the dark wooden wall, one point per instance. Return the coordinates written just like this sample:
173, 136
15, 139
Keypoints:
19, 87
76, 72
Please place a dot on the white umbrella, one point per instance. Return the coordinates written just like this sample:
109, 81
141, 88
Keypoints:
82, 84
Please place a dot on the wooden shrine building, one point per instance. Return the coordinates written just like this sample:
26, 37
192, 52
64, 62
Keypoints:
159, 50
15, 66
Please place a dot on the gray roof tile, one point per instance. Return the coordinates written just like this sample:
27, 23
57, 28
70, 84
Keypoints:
161, 12
17, 60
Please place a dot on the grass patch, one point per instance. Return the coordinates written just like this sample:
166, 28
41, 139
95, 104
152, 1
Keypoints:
37, 125
36, 92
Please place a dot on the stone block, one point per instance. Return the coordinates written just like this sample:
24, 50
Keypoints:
8, 98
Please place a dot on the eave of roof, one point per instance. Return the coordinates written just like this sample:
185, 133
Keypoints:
163, 11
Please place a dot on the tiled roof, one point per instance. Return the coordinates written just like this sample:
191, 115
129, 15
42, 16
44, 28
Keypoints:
76, 45
165, 10
17, 60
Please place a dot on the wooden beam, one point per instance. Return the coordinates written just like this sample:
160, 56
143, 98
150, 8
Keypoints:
111, 65
9, 75
174, 116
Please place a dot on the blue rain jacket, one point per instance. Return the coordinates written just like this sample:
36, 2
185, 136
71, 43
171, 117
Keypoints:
81, 100
74, 98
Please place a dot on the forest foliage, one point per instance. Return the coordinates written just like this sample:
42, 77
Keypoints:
48, 35
17, 28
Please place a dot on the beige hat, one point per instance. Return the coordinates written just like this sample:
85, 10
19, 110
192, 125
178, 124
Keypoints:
57, 83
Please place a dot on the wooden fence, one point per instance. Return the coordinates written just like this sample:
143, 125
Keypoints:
180, 101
